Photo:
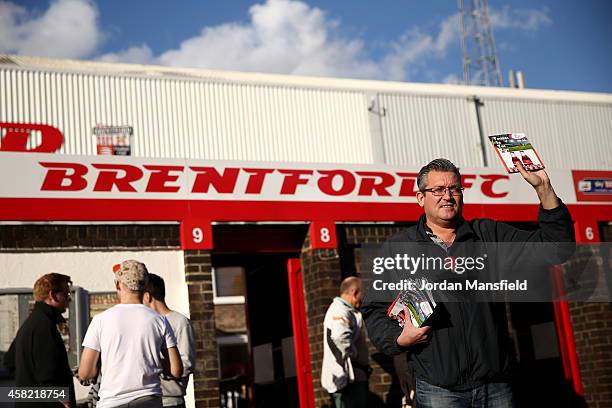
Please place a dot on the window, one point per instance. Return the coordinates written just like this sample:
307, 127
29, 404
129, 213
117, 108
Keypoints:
233, 356
229, 285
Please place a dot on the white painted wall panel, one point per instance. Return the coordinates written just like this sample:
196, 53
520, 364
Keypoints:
199, 114
419, 128
566, 135
92, 270
193, 118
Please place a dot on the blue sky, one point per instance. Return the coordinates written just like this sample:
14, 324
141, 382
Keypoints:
558, 44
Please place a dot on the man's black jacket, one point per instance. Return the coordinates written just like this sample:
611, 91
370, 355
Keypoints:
38, 355
473, 347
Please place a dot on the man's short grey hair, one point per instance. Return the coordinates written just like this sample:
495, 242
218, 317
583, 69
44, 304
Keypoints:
441, 165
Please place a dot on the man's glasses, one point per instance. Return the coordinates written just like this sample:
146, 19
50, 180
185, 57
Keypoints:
441, 191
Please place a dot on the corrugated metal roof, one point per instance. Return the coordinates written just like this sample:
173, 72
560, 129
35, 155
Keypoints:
192, 119
195, 113
418, 128
565, 134
41, 63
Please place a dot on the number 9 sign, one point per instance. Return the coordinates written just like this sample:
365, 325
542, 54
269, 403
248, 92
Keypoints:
196, 234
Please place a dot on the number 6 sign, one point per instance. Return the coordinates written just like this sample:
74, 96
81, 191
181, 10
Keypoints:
587, 231
196, 234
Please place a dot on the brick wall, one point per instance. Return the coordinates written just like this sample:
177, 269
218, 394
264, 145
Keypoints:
357, 235
25, 238
592, 325
321, 275
198, 274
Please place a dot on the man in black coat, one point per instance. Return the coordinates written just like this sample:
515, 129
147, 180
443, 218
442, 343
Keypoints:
464, 359
37, 355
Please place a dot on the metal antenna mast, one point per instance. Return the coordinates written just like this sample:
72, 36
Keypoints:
480, 62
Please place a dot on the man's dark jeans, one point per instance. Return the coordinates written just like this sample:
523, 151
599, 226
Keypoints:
493, 395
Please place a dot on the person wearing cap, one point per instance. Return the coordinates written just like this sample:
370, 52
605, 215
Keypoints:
135, 345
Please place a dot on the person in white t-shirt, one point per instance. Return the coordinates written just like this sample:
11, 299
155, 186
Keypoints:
135, 345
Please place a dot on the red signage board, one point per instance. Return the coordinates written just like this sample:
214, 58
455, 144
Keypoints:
592, 185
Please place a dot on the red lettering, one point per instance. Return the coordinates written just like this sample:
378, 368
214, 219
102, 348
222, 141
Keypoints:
407, 187
256, 180
17, 134
160, 176
209, 176
487, 185
369, 185
292, 179
109, 177
326, 183
54, 179
467, 180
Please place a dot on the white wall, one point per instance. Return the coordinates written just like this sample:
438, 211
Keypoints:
93, 272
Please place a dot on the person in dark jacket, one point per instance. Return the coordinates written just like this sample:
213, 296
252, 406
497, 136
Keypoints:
37, 355
466, 361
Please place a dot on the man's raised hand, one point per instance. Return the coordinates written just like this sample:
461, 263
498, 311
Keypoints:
541, 183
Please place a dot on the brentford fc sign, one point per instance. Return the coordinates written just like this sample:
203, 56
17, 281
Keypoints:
39, 185
26, 175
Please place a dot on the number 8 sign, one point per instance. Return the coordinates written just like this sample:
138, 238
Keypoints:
196, 234
323, 235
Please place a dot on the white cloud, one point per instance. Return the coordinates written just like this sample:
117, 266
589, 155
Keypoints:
414, 47
133, 55
410, 47
449, 33
67, 29
290, 37
10, 15
281, 36
522, 19
452, 79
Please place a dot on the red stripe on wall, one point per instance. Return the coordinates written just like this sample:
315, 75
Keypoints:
67, 209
